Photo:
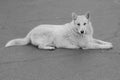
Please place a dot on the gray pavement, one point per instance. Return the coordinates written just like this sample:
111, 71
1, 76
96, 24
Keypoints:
18, 17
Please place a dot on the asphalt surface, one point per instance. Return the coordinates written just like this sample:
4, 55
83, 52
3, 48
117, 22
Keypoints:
18, 17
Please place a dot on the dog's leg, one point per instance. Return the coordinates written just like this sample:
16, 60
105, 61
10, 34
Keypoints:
101, 42
44, 42
46, 47
98, 44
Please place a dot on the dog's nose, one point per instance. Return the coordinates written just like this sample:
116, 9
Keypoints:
82, 32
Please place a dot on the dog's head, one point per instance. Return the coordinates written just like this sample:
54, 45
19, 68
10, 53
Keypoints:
81, 22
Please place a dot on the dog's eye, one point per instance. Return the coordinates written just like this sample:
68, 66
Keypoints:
84, 23
78, 24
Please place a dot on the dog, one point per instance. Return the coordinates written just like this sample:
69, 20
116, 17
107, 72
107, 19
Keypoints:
74, 35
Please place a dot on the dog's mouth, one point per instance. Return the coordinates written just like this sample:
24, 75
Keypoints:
82, 33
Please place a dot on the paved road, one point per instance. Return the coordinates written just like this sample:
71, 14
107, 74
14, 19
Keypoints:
18, 17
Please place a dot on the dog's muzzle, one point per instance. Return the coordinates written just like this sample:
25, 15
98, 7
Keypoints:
82, 32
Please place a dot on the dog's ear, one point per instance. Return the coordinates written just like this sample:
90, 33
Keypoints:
87, 15
74, 16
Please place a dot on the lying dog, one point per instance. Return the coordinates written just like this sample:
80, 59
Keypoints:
74, 35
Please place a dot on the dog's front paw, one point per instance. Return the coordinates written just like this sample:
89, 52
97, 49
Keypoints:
109, 46
47, 47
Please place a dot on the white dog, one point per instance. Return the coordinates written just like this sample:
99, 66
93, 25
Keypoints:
74, 35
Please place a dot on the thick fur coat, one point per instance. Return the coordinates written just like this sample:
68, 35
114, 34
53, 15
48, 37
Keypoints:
74, 35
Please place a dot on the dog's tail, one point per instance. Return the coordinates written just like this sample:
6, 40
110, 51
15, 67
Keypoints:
19, 41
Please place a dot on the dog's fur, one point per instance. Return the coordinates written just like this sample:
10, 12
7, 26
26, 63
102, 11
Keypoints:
68, 35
